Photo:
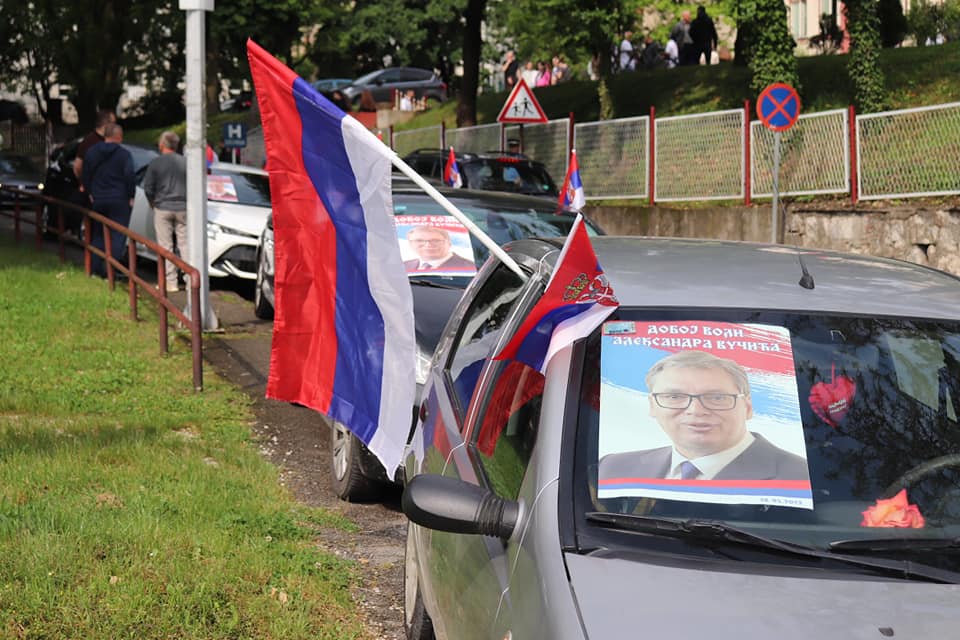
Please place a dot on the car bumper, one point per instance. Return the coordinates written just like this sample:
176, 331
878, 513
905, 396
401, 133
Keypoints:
232, 254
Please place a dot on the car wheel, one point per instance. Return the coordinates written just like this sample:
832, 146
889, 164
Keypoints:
349, 482
261, 306
417, 624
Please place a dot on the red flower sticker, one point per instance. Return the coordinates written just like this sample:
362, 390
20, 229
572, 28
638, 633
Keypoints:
894, 512
831, 400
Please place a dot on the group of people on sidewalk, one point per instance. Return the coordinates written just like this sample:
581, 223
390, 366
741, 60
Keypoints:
105, 171
689, 41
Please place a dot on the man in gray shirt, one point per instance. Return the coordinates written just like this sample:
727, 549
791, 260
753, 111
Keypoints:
165, 185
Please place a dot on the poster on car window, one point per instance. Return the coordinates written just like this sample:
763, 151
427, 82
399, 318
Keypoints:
435, 245
221, 189
701, 412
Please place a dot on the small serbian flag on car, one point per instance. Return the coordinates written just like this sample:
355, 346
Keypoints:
343, 337
451, 172
576, 300
572, 196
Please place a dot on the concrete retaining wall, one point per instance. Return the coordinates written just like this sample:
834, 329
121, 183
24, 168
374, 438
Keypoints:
924, 234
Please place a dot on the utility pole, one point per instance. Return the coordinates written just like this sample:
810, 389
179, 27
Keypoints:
195, 152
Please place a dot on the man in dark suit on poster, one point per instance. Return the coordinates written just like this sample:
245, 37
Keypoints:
702, 402
435, 251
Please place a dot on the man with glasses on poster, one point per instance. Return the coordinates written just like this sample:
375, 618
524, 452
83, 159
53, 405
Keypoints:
702, 403
435, 251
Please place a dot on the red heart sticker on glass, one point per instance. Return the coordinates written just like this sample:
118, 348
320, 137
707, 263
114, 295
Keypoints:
832, 400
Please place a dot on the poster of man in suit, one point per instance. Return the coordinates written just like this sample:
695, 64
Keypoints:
701, 412
435, 245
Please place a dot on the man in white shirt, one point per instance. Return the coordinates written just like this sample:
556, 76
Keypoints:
702, 402
671, 53
627, 61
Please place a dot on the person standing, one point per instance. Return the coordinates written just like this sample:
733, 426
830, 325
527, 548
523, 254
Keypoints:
108, 178
681, 35
704, 35
627, 59
529, 74
165, 185
104, 117
510, 66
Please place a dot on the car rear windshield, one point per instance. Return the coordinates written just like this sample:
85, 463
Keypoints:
511, 175
806, 428
502, 222
242, 188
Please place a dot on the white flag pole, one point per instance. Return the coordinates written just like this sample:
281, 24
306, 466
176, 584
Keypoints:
487, 241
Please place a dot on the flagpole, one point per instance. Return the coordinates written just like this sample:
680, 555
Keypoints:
487, 241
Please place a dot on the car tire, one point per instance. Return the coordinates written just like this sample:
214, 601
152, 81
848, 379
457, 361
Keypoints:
417, 624
349, 481
261, 306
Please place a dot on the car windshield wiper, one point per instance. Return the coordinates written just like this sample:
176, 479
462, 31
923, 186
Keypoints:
913, 543
433, 283
715, 530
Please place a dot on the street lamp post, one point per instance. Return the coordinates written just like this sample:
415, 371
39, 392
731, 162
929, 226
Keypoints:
194, 150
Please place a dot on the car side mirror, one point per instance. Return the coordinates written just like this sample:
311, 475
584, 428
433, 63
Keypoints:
449, 504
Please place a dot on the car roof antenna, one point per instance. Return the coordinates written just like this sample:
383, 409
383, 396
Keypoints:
806, 280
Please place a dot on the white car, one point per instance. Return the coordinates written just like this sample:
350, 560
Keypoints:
238, 203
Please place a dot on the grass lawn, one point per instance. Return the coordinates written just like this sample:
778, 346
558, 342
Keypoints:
915, 76
131, 506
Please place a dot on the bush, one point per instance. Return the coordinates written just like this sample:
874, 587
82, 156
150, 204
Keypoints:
893, 24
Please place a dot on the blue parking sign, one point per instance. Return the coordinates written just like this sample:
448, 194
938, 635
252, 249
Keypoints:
235, 135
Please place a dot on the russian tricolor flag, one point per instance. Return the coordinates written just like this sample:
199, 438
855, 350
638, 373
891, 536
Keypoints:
343, 338
576, 300
451, 172
572, 195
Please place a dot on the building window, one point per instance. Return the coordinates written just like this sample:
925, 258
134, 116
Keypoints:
798, 19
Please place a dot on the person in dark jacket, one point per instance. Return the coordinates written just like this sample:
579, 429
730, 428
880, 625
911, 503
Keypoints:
704, 35
108, 178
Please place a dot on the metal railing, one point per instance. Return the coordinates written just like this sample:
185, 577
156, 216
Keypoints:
909, 153
714, 156
45, 210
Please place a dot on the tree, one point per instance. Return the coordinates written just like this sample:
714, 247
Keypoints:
770, 55
893, 24
863, 24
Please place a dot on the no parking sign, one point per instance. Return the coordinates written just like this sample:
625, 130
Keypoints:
778, 106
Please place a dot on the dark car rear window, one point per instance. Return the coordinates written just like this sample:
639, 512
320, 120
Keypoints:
507, 175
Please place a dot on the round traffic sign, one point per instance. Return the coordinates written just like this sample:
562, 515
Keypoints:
778, 106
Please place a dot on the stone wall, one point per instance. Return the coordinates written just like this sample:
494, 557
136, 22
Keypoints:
924, 233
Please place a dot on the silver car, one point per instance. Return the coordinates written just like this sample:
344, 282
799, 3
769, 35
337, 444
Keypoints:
534, 512
238, 204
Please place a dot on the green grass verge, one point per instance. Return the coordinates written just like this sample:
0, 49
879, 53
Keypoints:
131, 506
915, 77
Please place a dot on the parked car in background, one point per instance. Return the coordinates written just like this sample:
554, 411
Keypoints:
383, 83
490, 171
521, 528
21, 172
238, 204
238, 101
357, 474
327, 85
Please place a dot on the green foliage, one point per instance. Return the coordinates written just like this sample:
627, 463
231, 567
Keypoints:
771, 54
666, 13
574, 28
863, 24
893, 24
124, 493
927, 20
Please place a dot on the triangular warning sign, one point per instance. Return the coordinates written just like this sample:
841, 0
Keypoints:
521, 106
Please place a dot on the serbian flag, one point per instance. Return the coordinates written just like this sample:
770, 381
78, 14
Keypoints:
451, 172
343, 338
577, 299
572, 196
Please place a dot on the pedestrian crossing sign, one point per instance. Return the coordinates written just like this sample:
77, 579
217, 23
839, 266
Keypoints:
521, 106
